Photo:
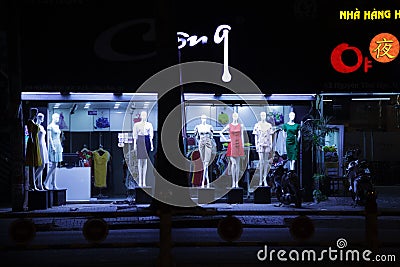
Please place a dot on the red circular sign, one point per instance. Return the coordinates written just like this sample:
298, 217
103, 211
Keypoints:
384, 47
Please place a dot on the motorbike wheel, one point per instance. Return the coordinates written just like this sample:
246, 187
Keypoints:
295, 191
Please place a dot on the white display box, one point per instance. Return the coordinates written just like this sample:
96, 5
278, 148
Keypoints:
77, 182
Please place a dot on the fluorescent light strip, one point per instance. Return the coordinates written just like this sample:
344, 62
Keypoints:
40, 93
371, 99
327, 100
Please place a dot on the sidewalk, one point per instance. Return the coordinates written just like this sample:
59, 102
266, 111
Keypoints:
121, 215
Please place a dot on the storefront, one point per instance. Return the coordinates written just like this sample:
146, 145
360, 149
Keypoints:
91, 123
105, 60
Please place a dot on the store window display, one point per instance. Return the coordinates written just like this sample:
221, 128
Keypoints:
142, 143
262, 132
235, 147
55, 151
33, 157
43, 152
204, 135
291, 131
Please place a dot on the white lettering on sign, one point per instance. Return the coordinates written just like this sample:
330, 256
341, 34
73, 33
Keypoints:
221, 34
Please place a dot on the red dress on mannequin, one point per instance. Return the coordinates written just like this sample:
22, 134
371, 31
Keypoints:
235, 147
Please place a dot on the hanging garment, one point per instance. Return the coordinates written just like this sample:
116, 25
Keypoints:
235, 147
61, 123
100, 159
196, 168
55, 135
131, 170
263, 133
86, 156
33, 157
292, 146
42, 145
280, 142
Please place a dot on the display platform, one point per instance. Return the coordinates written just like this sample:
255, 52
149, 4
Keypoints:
235, 195
76, 181
58, 197
38, 200
206, 195
262, 195
143, 195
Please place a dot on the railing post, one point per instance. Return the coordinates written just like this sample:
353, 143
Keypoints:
165, 254
371, 220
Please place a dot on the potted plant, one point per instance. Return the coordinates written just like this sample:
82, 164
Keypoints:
313, 132
318, 196
321, 184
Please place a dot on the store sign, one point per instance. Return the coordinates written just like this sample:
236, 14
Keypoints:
383, 48
221, 34
92, 112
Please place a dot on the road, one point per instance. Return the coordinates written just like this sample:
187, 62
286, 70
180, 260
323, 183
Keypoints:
192, 247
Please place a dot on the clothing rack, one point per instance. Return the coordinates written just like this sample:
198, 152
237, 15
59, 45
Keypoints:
100, 139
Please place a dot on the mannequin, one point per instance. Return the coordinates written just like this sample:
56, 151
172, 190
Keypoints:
33, 158
263, 140
43, 151
291, 132
55, 151
204, 134
235, 147
142, 144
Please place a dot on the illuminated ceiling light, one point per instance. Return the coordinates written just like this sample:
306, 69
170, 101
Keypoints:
39, 93
327, 100
87, 105
371, 99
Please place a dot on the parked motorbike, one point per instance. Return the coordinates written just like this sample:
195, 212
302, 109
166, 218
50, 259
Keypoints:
360, 180
286, 184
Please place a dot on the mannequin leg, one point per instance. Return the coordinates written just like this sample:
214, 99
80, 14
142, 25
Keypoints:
38, 177
233, 171
266, 167
237, 171
51, 177
32, 179
205, 175
140, 169
261, 167
144, 172
292, 165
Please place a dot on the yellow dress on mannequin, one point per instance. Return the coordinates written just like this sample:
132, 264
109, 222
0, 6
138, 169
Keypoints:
100, 158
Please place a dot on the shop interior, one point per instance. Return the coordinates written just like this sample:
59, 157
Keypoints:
94, 123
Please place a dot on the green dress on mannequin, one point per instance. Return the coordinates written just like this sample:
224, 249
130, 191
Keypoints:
292, 144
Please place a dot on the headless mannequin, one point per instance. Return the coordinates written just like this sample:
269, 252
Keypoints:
235, 160
292, 115
262, 131
204, 133
142, 128
34, 161
43, 153
51, 175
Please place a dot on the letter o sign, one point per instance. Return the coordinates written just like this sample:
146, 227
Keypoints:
337, 62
